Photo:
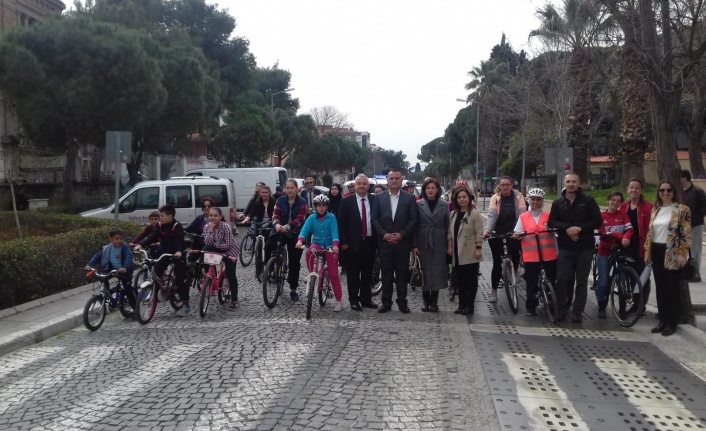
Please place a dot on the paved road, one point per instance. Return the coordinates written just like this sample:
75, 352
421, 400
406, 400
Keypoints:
270, 369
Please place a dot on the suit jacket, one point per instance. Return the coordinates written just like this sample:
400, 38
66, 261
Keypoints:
405, 220
350, 225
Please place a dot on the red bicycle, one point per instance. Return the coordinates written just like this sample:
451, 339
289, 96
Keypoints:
214, 280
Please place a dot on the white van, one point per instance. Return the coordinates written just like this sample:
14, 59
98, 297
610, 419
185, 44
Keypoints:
185, 193
244, 180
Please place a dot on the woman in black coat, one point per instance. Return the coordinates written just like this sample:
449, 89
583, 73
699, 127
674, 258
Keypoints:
335, 195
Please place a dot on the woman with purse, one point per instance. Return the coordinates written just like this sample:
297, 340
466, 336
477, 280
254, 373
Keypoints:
465, 245
430, 242
666, 249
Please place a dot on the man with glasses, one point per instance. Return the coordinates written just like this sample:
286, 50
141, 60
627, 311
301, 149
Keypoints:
309, 192
503, 212
576, 215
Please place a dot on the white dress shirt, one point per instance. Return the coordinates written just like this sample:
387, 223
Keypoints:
394, 200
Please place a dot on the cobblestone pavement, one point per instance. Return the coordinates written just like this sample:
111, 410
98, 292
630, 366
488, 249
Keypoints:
271, 369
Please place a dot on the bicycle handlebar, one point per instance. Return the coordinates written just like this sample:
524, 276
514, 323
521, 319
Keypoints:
494, 235
316, 250
90, 272
147, 257
525, 233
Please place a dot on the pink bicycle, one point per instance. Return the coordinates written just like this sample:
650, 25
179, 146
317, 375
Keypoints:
214, 280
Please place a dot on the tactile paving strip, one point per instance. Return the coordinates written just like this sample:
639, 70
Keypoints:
633, 385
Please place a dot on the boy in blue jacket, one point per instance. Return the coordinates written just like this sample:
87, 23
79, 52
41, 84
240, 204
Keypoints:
323, 228
116, 255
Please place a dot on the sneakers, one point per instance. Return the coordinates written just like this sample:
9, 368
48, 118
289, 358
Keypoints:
293, 296
576, 317
338, 307
493, 296
601, 313
184, 311
234, 305
531, 312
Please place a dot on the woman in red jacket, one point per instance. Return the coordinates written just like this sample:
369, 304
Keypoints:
638, 210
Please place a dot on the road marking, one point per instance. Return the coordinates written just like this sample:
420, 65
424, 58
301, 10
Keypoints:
103, 403
522, 370
26, 388
22, 359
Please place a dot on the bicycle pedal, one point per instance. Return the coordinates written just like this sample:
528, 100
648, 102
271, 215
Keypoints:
329, 295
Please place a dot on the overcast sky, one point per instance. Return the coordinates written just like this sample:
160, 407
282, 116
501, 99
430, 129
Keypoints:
395, 66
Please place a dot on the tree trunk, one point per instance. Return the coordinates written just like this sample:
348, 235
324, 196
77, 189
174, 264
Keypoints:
696, 163
578, 134
69, 170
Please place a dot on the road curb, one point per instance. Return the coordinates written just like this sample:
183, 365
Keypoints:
41, 332
45, 300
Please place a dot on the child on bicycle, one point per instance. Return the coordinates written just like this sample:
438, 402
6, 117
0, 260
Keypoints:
535, 220
147, 230
218, 237
169, 233
323, 228
116, 255
616, 227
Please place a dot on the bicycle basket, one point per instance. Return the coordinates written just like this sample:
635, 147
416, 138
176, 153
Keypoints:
212, 258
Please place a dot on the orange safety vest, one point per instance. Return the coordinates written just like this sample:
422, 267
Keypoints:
547, 240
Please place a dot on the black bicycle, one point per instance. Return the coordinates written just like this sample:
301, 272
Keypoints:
508, 281
275, 273
626, 289
546, 287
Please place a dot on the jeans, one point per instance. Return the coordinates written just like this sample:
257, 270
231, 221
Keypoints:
532, 281
603, 266
572, 265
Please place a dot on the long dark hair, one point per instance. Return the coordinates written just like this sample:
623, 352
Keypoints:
460, 189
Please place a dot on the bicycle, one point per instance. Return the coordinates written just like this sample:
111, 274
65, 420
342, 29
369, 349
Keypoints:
216, 272
247, 246
106, 295
154, 289
258, 249
546, 287
318, 280
508, 280
194, 271
275, 273
624, 282
594, 267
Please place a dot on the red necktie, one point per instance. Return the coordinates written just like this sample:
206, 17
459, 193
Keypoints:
364, 218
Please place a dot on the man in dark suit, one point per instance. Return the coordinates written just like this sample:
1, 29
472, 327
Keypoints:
309, 192
394, 217
358, 243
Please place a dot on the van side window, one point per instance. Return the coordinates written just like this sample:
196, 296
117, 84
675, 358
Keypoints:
217, 192
282, 178
180, 196
141, 199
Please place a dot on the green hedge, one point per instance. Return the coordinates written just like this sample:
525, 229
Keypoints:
39, 266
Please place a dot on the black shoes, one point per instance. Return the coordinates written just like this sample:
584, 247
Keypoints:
369, 304
458, 310
433, 304
425, 307
576, 318
384, 308
405, 309
659, 328
468, 311
669, 330
356, 306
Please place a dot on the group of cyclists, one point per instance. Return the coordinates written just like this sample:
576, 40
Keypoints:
658, 235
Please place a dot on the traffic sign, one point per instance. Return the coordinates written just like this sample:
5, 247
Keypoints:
481, 171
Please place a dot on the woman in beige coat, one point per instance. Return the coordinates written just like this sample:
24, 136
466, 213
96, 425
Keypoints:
465, 245
667, 248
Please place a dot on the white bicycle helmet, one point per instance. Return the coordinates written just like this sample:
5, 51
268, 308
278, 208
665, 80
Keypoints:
536, 193
321, 199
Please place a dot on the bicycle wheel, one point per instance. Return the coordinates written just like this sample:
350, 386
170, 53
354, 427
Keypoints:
258, 261
376, 287
146, 303
453, 286
548, 298
223, 291
622, 287
205, 296
510, 285
270, 282
246, 250
94, 312
310, 288
324, 289
594, 272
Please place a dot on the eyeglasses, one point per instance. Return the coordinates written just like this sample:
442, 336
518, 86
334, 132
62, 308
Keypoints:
309, 182
665, 190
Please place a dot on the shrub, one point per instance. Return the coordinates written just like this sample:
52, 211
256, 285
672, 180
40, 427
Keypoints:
38, 266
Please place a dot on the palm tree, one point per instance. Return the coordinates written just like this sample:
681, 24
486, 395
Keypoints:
578, 25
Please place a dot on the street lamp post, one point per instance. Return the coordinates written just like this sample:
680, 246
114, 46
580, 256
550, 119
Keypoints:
477, 142
272, 114
272, 101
